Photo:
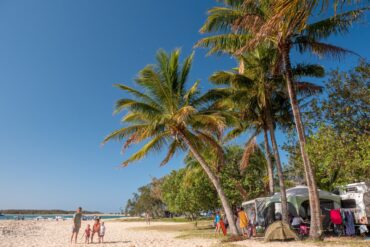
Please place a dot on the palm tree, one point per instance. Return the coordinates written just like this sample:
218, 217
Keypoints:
220, 20
247, 23
167, 114
261, 99
293, 30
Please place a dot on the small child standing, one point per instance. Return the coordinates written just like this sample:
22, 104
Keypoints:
87, 234
102, 233
95, 229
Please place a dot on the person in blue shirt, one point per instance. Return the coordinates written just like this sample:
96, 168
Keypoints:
217, 223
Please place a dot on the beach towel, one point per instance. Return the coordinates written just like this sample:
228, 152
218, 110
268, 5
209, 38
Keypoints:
336, 217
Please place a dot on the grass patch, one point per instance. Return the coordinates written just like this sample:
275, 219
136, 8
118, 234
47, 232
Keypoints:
201, 229
341, 241
225, 245
201, 233
204, 230
174, 219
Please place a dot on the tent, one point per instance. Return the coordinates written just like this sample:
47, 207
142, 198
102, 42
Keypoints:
258, 205
298, 195
298, 202
280, 231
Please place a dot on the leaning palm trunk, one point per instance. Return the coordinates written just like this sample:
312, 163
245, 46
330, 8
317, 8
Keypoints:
316, 226
216, 183
275, 148
269, 162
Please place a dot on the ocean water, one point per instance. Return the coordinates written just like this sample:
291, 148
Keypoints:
52, 216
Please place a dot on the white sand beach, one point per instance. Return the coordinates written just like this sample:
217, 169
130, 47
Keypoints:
128, 234
57, 233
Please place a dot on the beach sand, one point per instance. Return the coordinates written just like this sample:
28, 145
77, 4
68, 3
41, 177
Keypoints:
132, 234
57, 233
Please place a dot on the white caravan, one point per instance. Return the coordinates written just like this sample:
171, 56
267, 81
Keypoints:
356, 196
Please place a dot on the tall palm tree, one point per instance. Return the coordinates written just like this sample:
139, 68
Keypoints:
248, 23
166, 113
261, 98
291, 30
221, 20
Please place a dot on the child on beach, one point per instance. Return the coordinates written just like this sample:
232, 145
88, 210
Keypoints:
87, 234
95, 229
101, 233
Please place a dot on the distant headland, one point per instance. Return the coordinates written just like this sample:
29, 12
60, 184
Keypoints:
43, 211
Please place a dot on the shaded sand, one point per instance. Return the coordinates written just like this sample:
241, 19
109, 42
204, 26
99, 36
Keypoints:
137, 234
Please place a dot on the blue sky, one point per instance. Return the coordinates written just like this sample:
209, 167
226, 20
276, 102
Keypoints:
58, 62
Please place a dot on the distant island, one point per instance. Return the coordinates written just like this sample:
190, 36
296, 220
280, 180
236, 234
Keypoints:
36, 211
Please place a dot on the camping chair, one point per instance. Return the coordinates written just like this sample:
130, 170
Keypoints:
302, 230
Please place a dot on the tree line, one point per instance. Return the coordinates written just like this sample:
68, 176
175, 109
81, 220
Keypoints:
188, 192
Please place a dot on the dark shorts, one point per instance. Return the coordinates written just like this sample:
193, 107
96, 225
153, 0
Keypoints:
75, 229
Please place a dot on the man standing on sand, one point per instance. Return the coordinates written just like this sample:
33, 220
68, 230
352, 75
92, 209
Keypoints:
76, 224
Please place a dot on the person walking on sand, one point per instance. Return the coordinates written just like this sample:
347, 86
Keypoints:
243, 221
147, 217
76, 224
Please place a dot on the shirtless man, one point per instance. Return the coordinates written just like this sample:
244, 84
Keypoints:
76, 224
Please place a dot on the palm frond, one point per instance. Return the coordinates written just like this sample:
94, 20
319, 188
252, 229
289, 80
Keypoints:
186, 66
173, 147
233, 79
304, 43
311, 70
137, 93
223, 43
220, 19
183, 114
212, 96
217, 148
135, 106
124, 132
337, 24
308, 88
191, 92
212, 122
248, 151
153, 145
234, 133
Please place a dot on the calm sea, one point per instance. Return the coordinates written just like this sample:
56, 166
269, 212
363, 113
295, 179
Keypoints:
52, 216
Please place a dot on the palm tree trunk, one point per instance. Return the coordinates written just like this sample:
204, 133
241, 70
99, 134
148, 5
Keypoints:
275, 148
269, 162
316, 226
216, 183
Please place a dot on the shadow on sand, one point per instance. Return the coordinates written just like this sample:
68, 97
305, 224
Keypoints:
113, 242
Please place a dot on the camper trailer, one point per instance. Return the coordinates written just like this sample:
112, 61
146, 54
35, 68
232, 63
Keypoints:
356, 196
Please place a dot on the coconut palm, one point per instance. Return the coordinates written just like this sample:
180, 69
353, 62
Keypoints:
293, 30
249, 23
262, 101
167, 114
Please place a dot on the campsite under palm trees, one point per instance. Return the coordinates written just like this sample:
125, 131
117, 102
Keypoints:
268, 91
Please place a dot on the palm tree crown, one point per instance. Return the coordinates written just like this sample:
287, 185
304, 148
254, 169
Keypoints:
164, 109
